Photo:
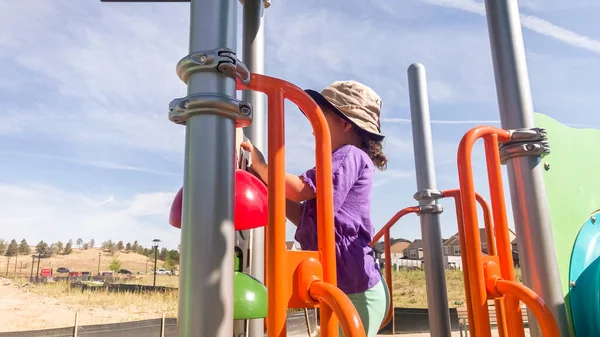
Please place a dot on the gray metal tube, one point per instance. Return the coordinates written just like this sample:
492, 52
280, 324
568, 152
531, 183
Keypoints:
537, 255
435, 274
207, 232
253, 42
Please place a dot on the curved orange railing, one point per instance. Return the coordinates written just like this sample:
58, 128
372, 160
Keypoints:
385, 232
483, 273
280, 263
339, 303
534, 302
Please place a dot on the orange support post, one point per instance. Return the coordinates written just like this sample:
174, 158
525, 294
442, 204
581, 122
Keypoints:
385, 232
492, 276
287, 286
491, 244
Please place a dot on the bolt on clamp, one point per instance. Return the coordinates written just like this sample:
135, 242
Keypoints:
428, 194
430, 209
525, 142
222, 60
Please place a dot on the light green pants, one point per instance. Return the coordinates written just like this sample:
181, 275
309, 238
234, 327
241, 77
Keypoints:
372, 306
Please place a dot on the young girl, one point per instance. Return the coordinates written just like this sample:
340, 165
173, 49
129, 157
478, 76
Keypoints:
352, 112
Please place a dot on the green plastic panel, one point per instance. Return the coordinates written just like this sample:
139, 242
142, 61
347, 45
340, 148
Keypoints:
249, 297
572, 178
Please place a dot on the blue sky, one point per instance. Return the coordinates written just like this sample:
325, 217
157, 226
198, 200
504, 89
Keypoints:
88, 150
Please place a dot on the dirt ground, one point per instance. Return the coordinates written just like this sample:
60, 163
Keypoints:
25, 310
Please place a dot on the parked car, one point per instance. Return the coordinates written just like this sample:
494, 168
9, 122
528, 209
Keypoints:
124, 271
63, 270
163, 271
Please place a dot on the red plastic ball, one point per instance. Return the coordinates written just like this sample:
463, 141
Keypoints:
251, 203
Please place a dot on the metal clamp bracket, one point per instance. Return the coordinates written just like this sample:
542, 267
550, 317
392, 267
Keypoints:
221, 60
430, 209
180, 109
428, 194
525, 142
266, 3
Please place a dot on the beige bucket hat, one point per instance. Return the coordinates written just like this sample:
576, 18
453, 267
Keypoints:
354, 102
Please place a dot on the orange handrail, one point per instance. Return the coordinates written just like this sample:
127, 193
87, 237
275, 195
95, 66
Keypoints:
484, 273
491, 244
534, 302
279, 291
385, 231
339, 303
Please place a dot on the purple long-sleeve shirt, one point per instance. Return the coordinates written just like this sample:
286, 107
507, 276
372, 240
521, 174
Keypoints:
352, 182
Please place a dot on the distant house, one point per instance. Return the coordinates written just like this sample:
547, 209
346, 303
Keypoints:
452, 246
414, 251
397, 247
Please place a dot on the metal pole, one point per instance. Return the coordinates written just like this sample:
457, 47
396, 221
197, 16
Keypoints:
528, 193
253, 57
99, 263
32, 264
155, 259
37, 274
207, 232
435, 276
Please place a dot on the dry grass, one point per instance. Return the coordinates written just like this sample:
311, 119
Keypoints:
148, 304
409, 288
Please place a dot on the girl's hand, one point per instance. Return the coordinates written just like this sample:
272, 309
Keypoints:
259, 165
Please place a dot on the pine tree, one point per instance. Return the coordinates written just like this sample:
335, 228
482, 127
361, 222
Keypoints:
79, 242
24, 248
43, 249
13, 248
128, 246
68, 248
120, 245
92, 242
3, 246
59, 246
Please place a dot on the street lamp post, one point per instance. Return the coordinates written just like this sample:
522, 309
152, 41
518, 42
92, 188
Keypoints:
99, 254
155, 245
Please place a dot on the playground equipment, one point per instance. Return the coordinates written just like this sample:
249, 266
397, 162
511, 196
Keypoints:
211, 114
250, 205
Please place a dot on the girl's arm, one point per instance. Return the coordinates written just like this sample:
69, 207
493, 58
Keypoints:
295, 188
293, 211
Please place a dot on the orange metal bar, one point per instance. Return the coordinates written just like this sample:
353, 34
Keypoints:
385, 231
280, 291
541, 312
487, 218
474, 259
514, 316
341, 305
463, 253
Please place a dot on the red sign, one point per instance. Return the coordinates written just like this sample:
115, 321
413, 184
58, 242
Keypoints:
46, 272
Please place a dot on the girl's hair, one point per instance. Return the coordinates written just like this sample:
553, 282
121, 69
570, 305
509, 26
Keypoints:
375, 151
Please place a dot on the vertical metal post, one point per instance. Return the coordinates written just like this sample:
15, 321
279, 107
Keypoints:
207, 232
525, 178
155, 260
435, 276
253, 57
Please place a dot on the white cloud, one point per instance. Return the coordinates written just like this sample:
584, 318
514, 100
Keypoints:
531, 22
43, 212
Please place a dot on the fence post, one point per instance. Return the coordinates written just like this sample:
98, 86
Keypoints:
76, 327
162, 325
